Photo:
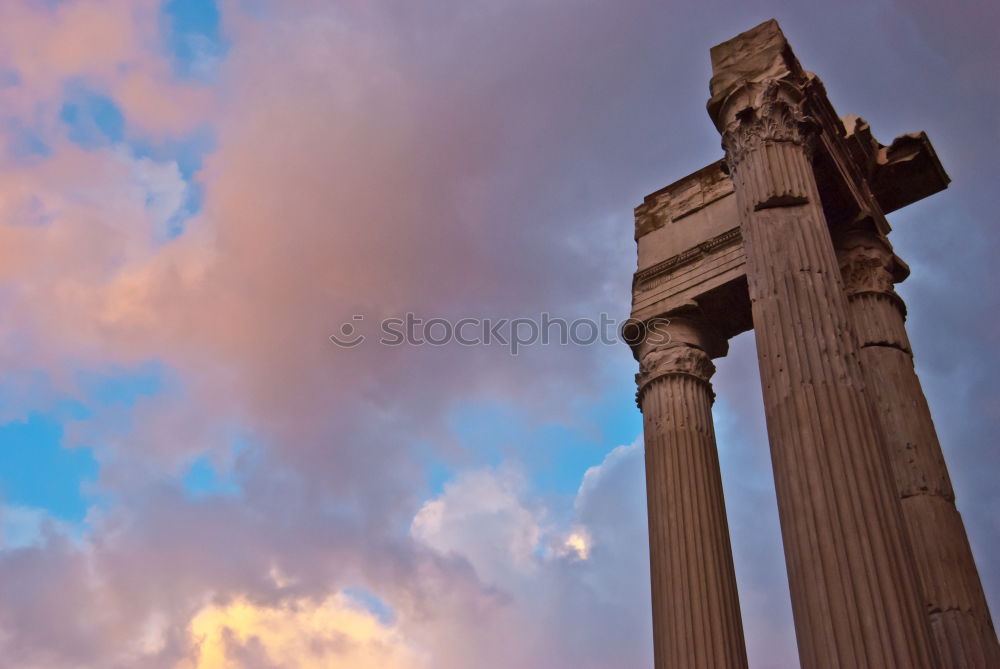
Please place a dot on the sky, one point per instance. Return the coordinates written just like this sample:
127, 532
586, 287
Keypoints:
195, 194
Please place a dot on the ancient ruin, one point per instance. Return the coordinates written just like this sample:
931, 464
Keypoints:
787, 236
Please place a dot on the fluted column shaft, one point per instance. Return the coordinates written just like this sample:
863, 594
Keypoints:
852, 581
696, 612
953, 596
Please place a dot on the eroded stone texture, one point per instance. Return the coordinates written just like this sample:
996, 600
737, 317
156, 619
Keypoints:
902, 173
868, 517
690, 252
953, 596
696, 611
854, 588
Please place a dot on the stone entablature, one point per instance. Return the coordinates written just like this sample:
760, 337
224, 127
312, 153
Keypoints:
689, 245
682, 198
687, 234
880, 569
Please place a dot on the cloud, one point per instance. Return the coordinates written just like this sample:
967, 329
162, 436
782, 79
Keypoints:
113, 45
574, 593
482, 518
460, 160
334, 633
22, 526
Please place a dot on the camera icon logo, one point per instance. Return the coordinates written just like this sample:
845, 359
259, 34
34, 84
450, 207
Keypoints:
349, 336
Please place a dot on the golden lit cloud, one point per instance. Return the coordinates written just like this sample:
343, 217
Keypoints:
335, 633
578, 542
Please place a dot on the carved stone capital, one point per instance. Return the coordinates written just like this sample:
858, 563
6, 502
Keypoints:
866, 269
673, 358
768, 112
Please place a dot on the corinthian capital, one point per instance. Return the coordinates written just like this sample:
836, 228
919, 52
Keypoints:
867, 263
673, 358
866, 270
766, 112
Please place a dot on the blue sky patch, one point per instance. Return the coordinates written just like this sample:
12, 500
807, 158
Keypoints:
193, 36
204, 479
556, 455
123, 386
189, 153
373, 603
37, 471
92, 118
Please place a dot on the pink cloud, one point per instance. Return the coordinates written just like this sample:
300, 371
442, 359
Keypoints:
461, 160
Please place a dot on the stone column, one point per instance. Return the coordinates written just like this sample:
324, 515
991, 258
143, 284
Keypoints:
953, 595
853, 584
696, 611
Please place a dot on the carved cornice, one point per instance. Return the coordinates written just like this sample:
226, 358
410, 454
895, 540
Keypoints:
673, 358
777, 116
652, 276
682, 198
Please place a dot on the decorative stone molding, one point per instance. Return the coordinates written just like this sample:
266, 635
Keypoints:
769, 145
651, 276
776, 118
866, 269
682, 198
869, 269
670, 359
